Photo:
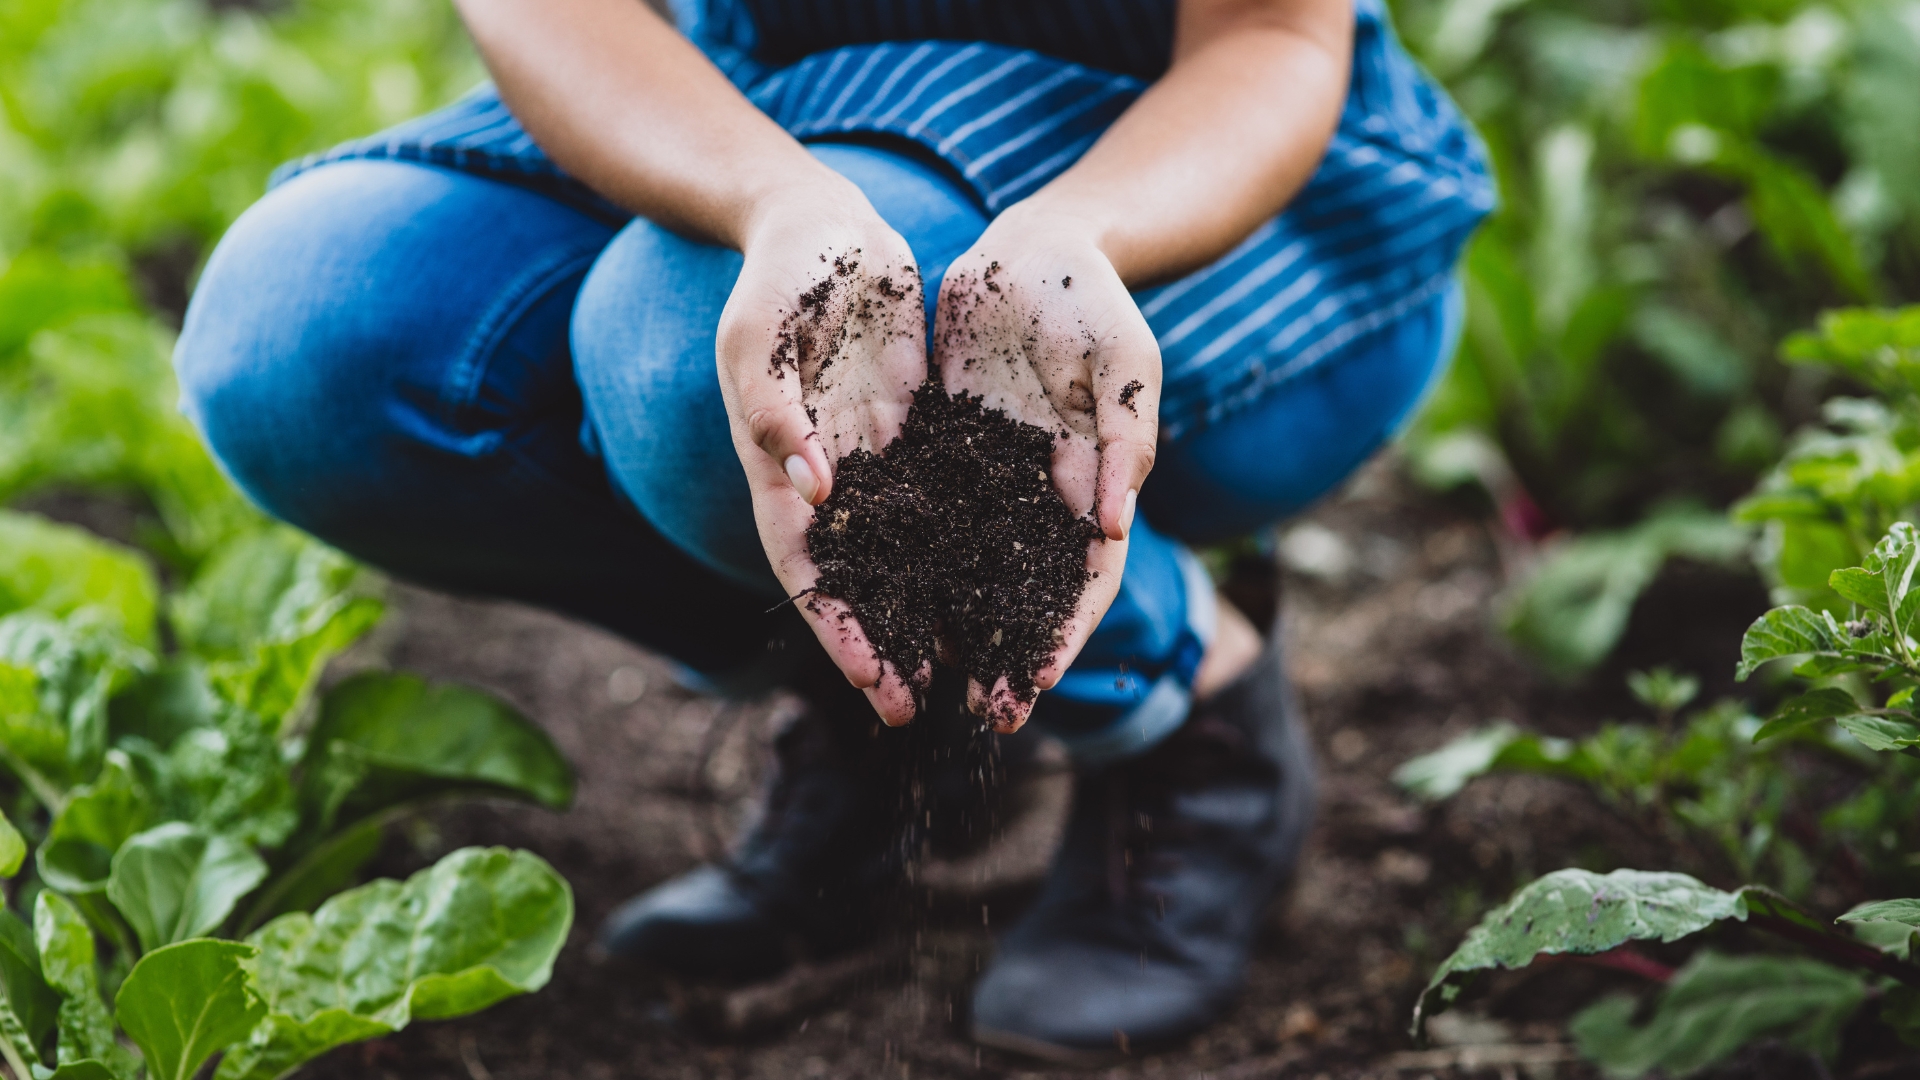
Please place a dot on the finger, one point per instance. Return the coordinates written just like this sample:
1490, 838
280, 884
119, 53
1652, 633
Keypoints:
765, 410
1127, 412
894, 698
782, 518
1106, 560
1005, 711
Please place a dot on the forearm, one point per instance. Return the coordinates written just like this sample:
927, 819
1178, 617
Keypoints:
623, 102
1215, 147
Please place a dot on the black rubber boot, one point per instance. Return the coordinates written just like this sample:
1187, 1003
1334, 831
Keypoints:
1142, 932
849, 801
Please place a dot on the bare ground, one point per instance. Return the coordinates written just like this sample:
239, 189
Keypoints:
1391, 645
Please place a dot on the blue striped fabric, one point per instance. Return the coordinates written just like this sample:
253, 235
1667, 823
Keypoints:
1011, 93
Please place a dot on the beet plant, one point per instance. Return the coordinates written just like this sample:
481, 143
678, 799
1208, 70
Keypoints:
196, 810
1724, 783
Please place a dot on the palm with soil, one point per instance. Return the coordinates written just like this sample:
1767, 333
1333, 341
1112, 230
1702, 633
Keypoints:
1035, 322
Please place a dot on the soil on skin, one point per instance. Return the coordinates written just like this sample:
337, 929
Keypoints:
1388, 614
954, 529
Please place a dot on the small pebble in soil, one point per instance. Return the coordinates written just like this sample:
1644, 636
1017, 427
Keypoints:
955, 529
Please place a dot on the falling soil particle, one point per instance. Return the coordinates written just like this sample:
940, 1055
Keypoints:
955, 530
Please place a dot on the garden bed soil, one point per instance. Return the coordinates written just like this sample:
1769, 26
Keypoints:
1393, 653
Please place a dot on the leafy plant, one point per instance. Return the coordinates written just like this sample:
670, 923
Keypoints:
193, 803
1866, 671
208, 791
1842, 485
1681, 185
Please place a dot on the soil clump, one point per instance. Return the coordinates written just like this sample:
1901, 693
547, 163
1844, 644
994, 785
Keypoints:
954, 531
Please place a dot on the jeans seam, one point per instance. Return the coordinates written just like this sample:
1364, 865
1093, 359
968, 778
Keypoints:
462, 385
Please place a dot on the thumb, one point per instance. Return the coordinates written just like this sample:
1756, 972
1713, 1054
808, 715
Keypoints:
783, 431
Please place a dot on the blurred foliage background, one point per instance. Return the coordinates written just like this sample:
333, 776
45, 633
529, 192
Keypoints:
132, 133
1683, 183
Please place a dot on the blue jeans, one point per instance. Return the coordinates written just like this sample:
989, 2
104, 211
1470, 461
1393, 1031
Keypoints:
472, 385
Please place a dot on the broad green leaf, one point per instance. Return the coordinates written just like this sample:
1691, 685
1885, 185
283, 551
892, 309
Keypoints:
206, 760
383, 739
1789, 631
1573, 608
1900, 911
67, 959
1808, 710
59, 569
186, 1002
1717, 1004
1442, 773
77, 664
31, 1007
280, 673
77, 856
1793, 213
176, 882
480, 925
1886, 733
1499, 747
13, 848
267, 612
1892, 926
1580, 912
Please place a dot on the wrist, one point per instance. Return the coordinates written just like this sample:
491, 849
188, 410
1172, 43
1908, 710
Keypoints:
816, 197
1063, 224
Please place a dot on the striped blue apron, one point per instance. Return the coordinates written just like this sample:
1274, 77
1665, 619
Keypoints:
1009, 93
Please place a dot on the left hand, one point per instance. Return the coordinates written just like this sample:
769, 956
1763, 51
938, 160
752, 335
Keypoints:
1035, 320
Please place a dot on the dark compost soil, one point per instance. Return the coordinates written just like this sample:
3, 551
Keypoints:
1391, 648
955, 529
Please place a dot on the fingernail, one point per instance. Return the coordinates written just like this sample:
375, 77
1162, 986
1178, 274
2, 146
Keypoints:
804, 482
1126, 513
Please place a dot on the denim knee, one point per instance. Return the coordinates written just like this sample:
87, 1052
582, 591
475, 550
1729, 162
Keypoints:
340, 326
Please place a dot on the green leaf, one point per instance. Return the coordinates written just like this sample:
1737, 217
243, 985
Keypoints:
1717, 1004
1892, 926
1882, 732
77, 856
206, 760
68, 960
13, 848
1788, 631
1579, 912
77, 664
383, 739
59, 569
30, 1005
176, 882
1900, 911
1496, 748
184, 1003
267, 612
1808, 710
1573, 608
480, 925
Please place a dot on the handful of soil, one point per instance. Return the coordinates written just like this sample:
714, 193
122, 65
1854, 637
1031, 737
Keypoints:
955, 530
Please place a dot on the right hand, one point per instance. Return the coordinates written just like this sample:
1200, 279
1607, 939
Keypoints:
821, 346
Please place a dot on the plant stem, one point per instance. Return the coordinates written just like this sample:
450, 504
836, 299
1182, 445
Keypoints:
261, 908
1835, 947
45, 790
14, 1061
